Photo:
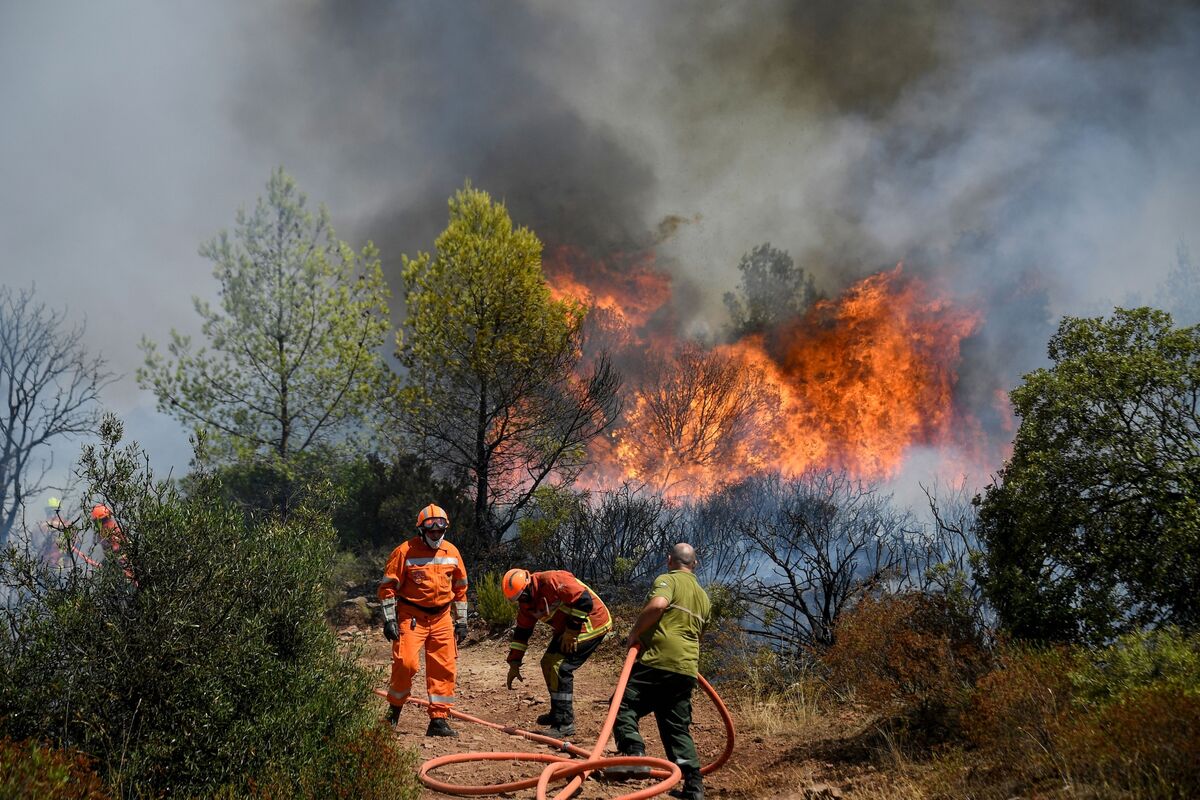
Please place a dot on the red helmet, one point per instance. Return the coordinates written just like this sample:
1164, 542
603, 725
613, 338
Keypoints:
101, 512
514, 582
426, 518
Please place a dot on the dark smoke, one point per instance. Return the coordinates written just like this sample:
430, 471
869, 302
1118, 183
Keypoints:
1036, 156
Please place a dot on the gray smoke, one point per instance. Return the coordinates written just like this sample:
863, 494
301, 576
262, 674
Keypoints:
1037, 158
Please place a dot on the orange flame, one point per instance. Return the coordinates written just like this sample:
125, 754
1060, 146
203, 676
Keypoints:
855, 384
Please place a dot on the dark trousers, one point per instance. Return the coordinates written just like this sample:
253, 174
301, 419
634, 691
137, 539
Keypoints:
558, 668
668, 696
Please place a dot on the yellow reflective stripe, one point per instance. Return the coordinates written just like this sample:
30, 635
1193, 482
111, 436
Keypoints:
517, 646
592, 633
575, 612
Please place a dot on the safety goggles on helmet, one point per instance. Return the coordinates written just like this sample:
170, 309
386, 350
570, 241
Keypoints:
435, 524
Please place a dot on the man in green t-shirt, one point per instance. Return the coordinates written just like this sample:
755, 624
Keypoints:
664, 676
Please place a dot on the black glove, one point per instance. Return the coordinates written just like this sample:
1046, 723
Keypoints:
460, 632
514, 673
391, 631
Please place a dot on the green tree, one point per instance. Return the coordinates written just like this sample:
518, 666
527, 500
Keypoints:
1093, 527
492, 390
294, 365
772, 291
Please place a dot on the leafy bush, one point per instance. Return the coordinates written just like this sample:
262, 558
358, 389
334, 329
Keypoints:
913, 655
30, 770
494, 607
1018, 709
207, 665
1163, 659
366, 767
1146, 744
1033, 730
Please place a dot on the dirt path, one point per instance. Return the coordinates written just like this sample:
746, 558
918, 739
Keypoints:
481, 692
824, 758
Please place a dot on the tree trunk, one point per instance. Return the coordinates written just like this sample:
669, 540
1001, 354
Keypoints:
482, 518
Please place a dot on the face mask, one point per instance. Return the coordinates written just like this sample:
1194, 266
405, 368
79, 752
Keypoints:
433, 543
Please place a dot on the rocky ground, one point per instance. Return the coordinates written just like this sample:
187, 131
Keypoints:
816, 760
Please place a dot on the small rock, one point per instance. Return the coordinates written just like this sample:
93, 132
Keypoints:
822, 791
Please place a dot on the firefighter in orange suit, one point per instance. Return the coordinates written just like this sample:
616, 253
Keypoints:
579, 620
424, 581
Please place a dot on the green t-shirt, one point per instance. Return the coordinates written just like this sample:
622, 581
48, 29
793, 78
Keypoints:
674, 643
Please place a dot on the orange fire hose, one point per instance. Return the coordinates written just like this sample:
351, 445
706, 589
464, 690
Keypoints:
562, 767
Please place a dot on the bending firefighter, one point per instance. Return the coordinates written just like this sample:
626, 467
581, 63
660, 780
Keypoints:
425, 578
661, 682
579, 621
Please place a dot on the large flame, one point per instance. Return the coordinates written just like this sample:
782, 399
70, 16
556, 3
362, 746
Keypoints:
855, 384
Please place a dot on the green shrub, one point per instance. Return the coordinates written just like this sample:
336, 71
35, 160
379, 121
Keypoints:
208, 666
29, 770
1164, 659
496, 609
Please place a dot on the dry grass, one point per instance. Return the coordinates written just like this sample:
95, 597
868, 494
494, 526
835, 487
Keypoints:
767, 712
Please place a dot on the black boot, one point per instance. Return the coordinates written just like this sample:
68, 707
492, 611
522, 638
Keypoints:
438, 726
561, 720
693, 785
560, 729
631, 772
393, 716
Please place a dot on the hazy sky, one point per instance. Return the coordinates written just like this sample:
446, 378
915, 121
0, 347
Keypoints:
1039, 157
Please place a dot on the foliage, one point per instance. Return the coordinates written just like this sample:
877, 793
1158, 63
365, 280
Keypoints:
615, 541
810, 546
553, 509
50, 386
493, 606
769, 694
1033, 729
913, 654
294, 363
1018, 709
1166, 659
365, 767
380, 499
32, 771
1091, 527
772, 291
949, 555
1145, 745
491, 388
200, 660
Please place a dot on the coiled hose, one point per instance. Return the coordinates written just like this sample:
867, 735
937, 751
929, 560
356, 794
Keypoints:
563, 767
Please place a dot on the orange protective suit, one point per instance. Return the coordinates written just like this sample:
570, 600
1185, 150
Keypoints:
420, 586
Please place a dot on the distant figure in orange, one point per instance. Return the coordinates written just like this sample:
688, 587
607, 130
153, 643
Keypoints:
425, 578
111, 537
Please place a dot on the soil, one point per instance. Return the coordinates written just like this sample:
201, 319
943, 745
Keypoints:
806, 764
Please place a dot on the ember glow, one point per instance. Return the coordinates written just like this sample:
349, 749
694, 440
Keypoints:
855, 384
